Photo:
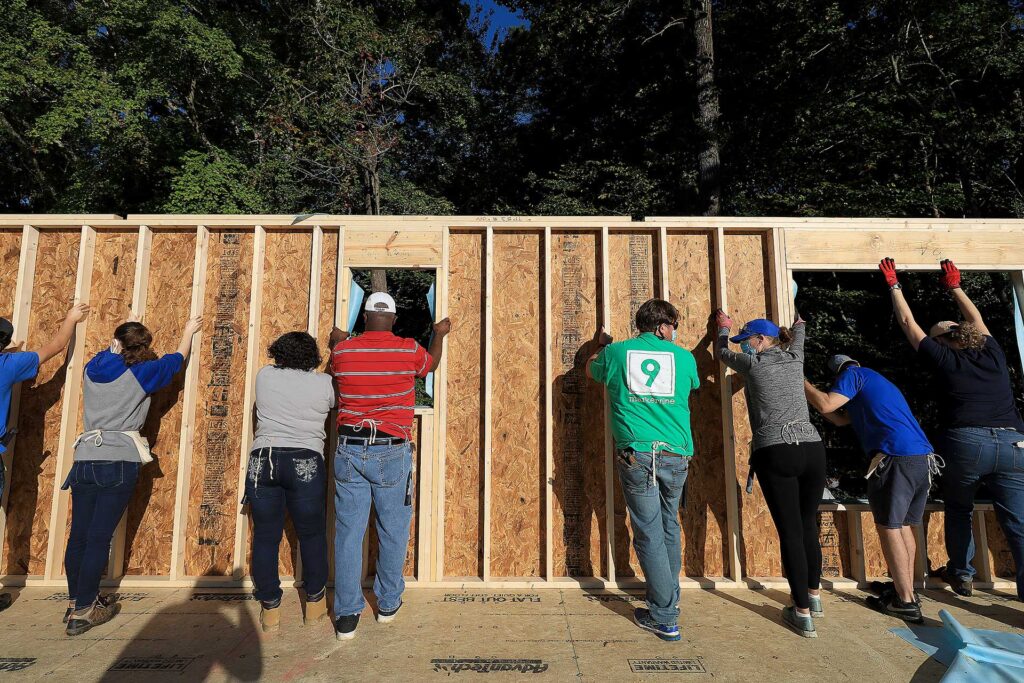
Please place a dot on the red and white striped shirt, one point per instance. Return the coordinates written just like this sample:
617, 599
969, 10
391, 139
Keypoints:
375, 377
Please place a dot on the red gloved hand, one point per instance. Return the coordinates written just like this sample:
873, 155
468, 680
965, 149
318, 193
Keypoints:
888, 268
723, 320
950, 275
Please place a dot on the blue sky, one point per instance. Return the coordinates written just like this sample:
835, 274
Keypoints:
502, 19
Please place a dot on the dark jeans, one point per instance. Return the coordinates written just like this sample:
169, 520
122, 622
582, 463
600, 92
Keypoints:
100, 491
296, 479
792, 479
975, 456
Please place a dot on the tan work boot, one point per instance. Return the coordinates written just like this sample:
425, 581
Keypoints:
270, 618
82, 620
316, 612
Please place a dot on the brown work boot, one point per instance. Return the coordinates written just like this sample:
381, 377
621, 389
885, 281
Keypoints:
270, 617
316, 611
81, 620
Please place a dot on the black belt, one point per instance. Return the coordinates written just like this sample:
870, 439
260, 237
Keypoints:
348, 435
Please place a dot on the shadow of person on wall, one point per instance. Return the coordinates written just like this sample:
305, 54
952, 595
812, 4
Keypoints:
27, 464
227, 641
578, 454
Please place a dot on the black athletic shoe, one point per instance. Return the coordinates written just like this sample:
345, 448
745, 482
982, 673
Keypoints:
385, 616
892, 605
881, 588
964, 587
345, 627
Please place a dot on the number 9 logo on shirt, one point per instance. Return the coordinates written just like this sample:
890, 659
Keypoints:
651, 373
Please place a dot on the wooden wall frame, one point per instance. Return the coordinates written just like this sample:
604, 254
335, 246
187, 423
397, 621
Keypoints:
790, 244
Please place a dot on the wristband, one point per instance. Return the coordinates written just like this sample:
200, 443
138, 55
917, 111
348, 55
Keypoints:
896, 286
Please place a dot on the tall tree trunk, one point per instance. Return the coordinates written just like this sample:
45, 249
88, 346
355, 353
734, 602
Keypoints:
709, 184
370, 178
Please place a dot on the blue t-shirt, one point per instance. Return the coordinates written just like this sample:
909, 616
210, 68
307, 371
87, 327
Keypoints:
152, 375
14, 368
879, 414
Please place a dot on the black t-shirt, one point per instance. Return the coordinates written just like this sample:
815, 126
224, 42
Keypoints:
974, 385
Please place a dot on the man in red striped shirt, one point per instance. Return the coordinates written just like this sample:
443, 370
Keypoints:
375, 377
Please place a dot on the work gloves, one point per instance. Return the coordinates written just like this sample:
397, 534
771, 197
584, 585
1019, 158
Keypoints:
723, 320
888, 268
950, 278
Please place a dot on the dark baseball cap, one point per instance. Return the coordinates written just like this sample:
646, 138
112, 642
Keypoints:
837, 362
6, 332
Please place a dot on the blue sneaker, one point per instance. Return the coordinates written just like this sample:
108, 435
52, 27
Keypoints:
644, 620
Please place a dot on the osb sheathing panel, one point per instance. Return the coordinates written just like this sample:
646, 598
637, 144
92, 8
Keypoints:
409, 569
285, 309
748, 298
213, 484
691, 278
517, 430
10, 254
463, 485
999, 550
833, 534
150, 526
35, 456
110, 299
936, 539
632, 269
578, 507
874, 560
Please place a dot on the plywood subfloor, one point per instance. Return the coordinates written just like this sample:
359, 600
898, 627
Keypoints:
35, 452
561, 634
150, 526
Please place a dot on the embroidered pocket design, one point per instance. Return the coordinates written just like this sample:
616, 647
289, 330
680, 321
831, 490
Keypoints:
255, 466
305, 470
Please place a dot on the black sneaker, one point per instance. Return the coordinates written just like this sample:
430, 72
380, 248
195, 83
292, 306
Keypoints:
881, 588
964, 587
83, 620
6, 600
891, 604
385, 616
345, 627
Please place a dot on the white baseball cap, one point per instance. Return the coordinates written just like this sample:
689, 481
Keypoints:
380, 302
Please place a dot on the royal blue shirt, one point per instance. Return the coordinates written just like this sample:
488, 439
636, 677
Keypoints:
879, 414
152, 375
14, 367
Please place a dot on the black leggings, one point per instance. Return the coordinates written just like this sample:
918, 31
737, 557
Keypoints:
792, 477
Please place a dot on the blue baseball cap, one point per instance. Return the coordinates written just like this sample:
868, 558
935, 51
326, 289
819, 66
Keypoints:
758, 326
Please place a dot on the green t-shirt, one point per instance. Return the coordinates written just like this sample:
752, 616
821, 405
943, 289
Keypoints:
649, 382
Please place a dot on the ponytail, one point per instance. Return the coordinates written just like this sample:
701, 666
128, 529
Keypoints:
785, 337
135, 340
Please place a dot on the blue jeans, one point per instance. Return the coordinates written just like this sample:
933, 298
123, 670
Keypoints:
652, 496
981, 455
294, 479
383, 474
100, 492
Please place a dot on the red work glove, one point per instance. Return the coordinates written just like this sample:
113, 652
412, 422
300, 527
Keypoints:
723, 320
888, 268
950, 274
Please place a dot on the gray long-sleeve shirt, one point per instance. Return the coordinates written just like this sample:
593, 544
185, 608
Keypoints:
775, 390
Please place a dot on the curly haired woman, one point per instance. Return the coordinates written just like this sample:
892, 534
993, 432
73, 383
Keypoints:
287, 471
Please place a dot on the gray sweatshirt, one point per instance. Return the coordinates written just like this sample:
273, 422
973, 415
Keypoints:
291, 408
774, 382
